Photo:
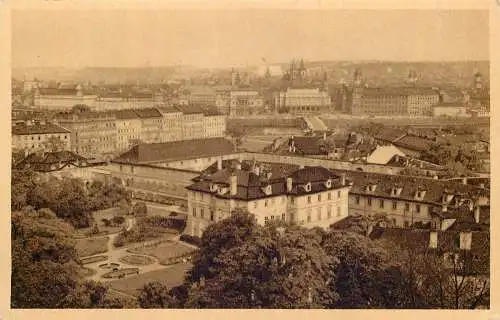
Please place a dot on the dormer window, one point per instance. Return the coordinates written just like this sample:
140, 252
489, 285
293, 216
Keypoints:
328, 183
420, 194
307, 187
371, 187
213, 187
223, 190
267, 190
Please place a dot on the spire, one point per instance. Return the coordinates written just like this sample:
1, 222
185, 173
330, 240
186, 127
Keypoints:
302, 64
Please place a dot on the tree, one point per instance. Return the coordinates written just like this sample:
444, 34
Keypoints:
155, 295
22, 181
365, 277
140, 209
243, 265
44, 270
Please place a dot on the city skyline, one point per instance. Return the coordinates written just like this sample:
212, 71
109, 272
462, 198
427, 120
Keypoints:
204, 38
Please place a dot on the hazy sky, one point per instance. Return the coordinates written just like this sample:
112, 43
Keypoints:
236, 38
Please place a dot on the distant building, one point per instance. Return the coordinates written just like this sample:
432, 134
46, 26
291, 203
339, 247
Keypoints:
407, 200
450, 109
33, 136
172, 124
410, 100
62, 98
93, 134
128, 129
311, 197
303, 101
151, 124
201, 96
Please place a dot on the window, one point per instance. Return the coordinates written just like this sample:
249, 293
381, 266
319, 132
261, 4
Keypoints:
369, 201
194, 212
329, 212
339, 212
381, 204
407, 224
265, 220
309, 199
418, 208
292, 200
329, 196
309, 216
319, 198
319, 213
338, 194
272, 217
255, 204
272, 201
202, 213
265, 203
357, 199
394, 205
283, 216
211, 216
407, 207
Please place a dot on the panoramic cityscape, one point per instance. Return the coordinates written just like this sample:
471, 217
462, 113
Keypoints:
270, 159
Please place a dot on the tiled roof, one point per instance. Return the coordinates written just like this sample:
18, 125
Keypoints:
434, 189
177, 150
47, 128
308, 145
148, 113
189, 109
45, 161
447, 241
126, 114
390, 134
165, 110
414, 143
210, 111
250, 185
402, 161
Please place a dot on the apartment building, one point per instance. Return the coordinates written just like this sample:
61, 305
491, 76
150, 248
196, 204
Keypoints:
172, 124
93, 134
128, 129
34, 136
311, 196
304, 100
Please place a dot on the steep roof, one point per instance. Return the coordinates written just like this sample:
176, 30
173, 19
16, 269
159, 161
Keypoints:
250, 185
126, 114
37, 128
148, 113
177, 150
189, 109
414, 143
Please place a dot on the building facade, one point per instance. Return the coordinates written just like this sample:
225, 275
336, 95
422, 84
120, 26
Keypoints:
34, 136
93, 134
128, 129
311, 197
62, 99
303, 101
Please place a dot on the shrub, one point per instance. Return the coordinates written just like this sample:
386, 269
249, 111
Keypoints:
140, 209
194, 240
117, 220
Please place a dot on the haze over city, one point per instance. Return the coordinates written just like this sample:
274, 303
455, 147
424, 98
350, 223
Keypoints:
216, 39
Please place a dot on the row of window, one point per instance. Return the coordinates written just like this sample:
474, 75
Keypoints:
319, 211
381, 204
276, 217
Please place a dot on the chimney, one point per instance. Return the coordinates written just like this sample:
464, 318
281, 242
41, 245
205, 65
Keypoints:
289, 184
256, 170
233, 185
477, 212
219, 164
342, 179
464, 181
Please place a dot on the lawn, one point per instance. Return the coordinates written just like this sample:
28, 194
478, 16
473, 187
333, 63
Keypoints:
91, 246
165, 251
137, 260
171, 276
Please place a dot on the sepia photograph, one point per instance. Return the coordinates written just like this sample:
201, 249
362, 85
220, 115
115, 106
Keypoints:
249, 158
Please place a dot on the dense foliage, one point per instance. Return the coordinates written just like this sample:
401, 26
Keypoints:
69, 198
45, 273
